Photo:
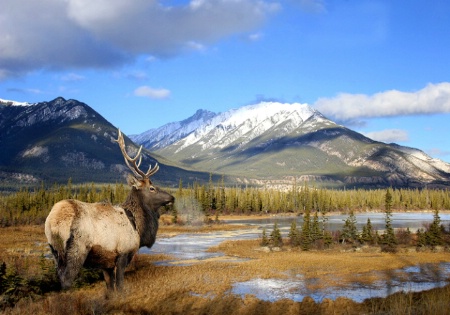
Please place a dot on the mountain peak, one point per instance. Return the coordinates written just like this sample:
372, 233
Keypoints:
270, 141
249, 122
172, 132
270, 109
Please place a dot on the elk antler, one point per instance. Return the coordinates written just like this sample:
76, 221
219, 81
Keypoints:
131, 162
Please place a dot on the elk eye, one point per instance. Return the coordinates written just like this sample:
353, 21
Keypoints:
152, 189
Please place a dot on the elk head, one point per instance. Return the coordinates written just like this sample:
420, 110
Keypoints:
150, 196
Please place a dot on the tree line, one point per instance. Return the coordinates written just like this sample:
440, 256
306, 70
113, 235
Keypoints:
313, 233
31, 206
301, 198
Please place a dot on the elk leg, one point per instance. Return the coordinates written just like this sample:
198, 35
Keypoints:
74, 259
121, 264
110, 280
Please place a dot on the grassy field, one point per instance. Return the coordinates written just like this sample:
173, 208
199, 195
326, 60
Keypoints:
204, 286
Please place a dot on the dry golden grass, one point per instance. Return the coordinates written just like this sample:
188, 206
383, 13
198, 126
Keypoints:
204, 286
333, 266
23, 247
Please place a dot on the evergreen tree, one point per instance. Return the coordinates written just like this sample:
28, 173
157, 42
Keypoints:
367, 233
315, 228
388, 201
434, 233
264, 239
388, 238
327, 239
421, 239
349, 231
275, 236
221, 198
294, 234
305, 235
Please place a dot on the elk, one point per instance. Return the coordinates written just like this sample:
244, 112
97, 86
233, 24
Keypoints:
102, 235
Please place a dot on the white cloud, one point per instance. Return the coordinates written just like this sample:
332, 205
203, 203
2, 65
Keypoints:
105, 33
152, 93
433, 99
388, 135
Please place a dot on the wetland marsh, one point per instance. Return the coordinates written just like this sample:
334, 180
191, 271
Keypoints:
222, 269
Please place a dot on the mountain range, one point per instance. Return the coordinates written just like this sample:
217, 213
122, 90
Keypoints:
274, 144
267, 144
61, 139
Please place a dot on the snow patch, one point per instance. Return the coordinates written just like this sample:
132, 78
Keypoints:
14, 103
35, 151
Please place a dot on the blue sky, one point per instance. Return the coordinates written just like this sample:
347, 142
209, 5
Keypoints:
381, 68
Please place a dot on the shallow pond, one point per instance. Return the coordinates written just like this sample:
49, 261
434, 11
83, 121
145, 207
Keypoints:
187, 248
410, 279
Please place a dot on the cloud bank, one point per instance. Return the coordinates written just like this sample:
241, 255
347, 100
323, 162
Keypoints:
433, 99
55, 34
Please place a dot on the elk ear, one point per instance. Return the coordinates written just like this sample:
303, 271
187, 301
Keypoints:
134, 182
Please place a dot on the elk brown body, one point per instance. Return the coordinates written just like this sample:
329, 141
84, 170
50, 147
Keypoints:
105, 236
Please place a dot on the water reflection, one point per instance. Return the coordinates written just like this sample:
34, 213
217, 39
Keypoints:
187, 248
410, 279
195, 246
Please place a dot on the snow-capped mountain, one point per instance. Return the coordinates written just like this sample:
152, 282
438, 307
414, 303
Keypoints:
222, 129
273, 141
268, 143
166, 135
247, 123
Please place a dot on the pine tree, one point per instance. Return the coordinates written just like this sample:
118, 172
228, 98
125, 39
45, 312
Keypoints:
434, 231
367, 233
327, 239
305, 235
388, 238
315, 228
349, 231
275, 236
421, 238
294, 234
388, 201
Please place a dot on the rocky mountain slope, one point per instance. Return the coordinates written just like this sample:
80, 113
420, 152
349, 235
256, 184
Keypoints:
61, 139
163, 136
273, 144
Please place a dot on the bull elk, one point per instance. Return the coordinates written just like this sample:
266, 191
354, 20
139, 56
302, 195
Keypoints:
104, 236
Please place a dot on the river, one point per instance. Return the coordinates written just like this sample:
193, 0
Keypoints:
188, 247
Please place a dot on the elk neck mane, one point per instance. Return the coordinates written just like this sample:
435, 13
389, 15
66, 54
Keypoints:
144, 219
